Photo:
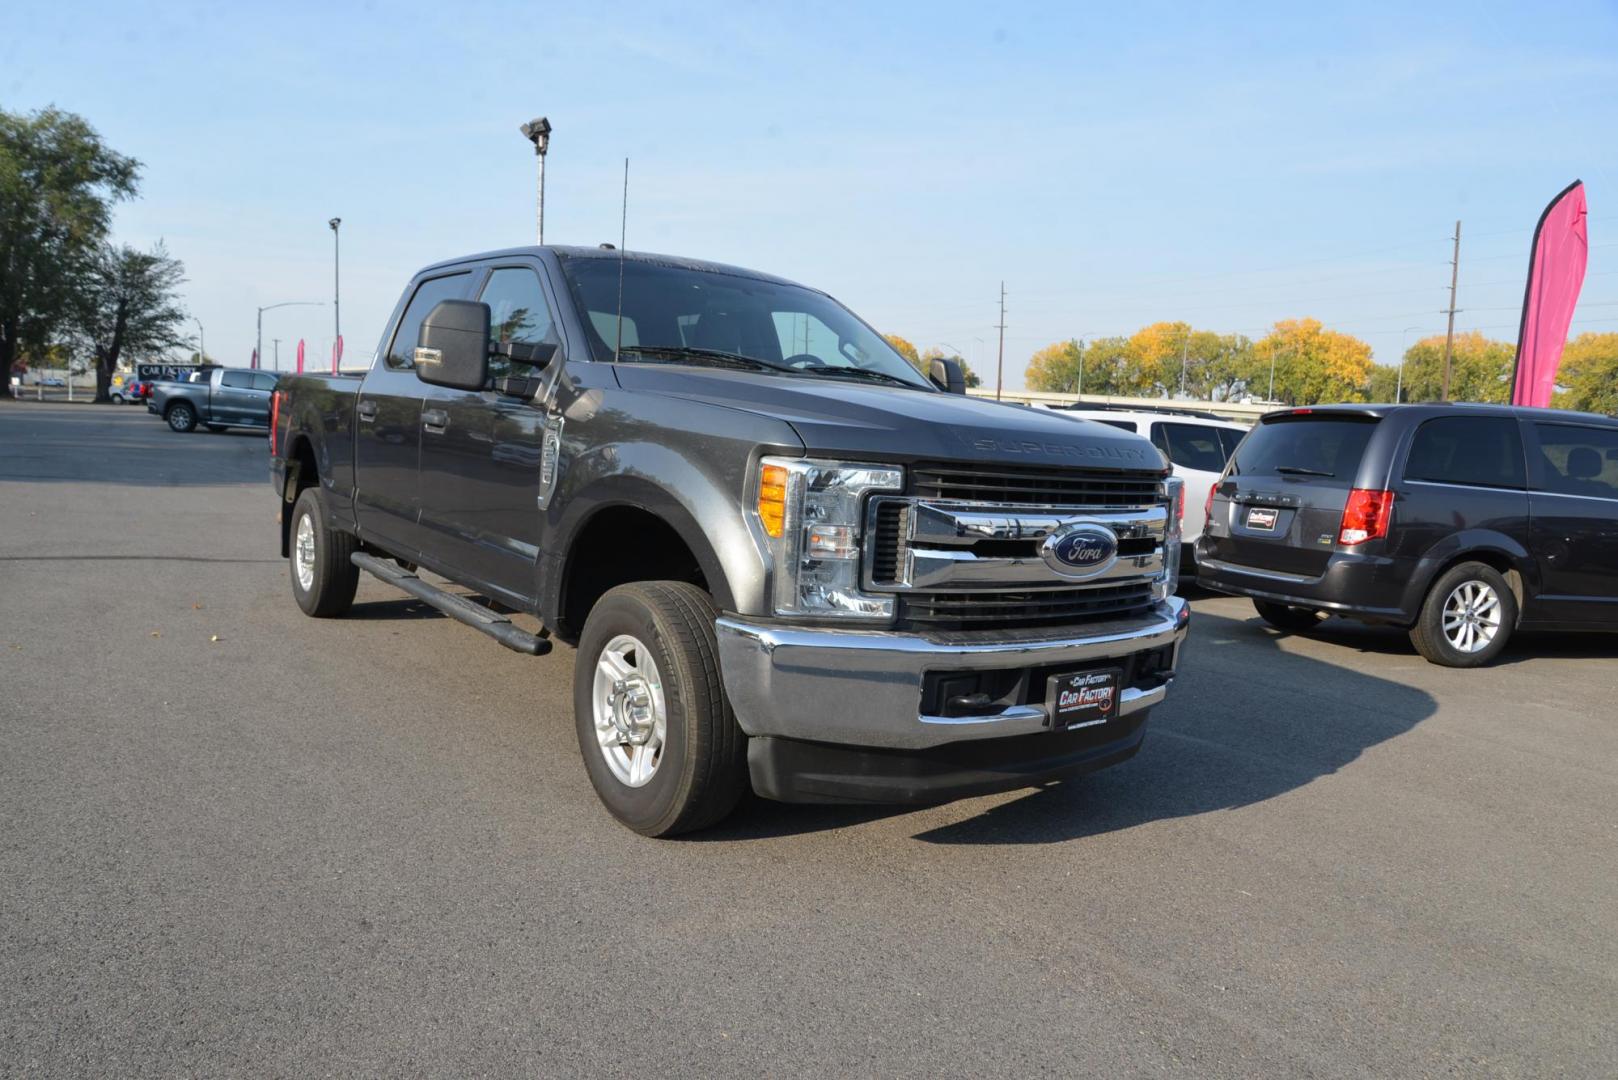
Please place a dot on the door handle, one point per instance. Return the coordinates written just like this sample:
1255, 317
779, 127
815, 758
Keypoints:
434, 421
366, 411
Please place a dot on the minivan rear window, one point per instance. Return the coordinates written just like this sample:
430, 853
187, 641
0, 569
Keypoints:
1327, 447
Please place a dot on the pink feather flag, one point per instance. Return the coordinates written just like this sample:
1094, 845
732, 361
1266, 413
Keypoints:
1556, 267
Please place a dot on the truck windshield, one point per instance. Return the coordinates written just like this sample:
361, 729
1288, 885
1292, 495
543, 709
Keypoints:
673, 312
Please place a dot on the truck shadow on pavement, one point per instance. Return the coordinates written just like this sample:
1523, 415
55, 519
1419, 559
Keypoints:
1247, 721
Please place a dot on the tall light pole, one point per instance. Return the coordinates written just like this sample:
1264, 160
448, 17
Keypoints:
258, 349
1399, 385
538, 132
336, 288
202, 342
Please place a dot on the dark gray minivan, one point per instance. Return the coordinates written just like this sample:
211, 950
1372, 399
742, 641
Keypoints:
1460, 523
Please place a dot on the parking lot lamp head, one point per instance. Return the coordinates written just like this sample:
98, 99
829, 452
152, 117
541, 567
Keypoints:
538, 132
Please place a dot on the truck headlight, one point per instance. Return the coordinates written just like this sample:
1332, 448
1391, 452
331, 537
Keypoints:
1173, 531
812, 516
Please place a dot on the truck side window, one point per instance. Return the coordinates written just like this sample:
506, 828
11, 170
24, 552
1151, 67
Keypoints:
1193, 446
1475, 451
517, 312
241, 380
264, 382
402, 353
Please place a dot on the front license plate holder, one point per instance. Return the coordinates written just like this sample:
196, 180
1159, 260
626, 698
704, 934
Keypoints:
1084, 699
1262, 518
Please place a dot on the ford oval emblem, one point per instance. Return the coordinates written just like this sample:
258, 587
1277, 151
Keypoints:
1080, 550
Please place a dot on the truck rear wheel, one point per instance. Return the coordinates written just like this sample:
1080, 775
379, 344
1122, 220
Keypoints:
657, 734
323, 578
181, 417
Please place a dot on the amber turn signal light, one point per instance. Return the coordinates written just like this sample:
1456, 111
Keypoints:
772, 498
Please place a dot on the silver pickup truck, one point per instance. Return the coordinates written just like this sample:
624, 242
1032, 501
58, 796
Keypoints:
788, 559
215, 398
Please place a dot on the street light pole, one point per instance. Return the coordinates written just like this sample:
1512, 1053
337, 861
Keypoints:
258, 349
336, 287
538, 132
202, 342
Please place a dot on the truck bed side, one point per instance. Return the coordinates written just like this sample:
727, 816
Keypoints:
312, 441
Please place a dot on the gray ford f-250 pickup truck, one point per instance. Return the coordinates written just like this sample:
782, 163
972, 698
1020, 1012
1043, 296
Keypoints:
786, 558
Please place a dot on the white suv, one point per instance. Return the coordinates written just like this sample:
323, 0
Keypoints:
1197, 444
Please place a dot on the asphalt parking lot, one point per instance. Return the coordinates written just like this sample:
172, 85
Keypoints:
240, 841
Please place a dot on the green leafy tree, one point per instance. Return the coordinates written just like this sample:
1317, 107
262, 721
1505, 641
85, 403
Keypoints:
58, 182
1480, 369
129, 303
1383, 384
1589, 374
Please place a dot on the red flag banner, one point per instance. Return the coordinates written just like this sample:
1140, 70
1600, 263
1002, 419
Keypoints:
300, 356
254, 363
336, 353
1556, 266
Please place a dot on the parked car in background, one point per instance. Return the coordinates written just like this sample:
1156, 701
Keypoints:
225, 398
1196, 443
132, 391
1460, 523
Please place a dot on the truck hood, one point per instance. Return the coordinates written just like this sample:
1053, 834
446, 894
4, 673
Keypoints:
859, 421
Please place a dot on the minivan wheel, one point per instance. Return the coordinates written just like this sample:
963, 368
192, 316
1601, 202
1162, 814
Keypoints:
1286, 617
1467, 617
656, 732
324, 579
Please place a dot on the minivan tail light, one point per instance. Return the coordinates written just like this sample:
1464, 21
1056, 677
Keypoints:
1365, 516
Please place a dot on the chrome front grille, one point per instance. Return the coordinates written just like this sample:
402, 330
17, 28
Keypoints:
1034, 486
959, 563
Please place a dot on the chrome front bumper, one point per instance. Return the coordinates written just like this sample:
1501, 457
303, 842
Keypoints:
863, 687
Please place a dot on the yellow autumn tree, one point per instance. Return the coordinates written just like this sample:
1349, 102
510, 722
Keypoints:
1589, 373
904, 349
1312, 365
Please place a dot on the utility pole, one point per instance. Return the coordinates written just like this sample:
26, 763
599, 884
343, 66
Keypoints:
277, 343
1449, 335
1185, 350
1000, 364
202, 342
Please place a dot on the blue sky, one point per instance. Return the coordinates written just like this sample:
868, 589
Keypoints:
1114, 164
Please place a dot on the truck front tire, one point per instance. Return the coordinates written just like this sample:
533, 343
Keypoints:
323, 578
656, 732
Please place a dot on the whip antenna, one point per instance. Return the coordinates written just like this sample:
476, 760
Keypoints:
623, 233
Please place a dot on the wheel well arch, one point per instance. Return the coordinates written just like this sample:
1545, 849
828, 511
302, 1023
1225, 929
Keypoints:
1506, 564
624, 542
302, 471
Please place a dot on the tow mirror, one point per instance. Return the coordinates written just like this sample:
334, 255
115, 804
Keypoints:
947, 375
452, 348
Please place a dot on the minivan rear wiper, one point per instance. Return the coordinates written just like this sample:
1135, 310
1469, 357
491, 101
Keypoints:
1299, 470
690, 352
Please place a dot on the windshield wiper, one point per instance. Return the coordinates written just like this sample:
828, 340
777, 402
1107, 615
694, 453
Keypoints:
690, 352
862, 373
1299, 470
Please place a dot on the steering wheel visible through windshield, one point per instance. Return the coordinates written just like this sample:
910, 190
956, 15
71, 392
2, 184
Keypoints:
681, 312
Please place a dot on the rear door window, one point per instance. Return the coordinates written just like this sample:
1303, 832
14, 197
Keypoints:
1193, 446
264, 382
1577, 460
241, 380
1473, 451
1328, 448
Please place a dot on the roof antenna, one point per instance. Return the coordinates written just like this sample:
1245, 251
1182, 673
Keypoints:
623, 234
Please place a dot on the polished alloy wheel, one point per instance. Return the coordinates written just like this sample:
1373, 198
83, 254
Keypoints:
631, 720
1472, 616
303, 555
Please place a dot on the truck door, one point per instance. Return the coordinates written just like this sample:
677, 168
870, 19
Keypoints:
387, 421
230, 399
480, 453
1573, 512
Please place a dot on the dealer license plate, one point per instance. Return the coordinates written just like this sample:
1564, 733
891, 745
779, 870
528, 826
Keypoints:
1083, 699
1262, 518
